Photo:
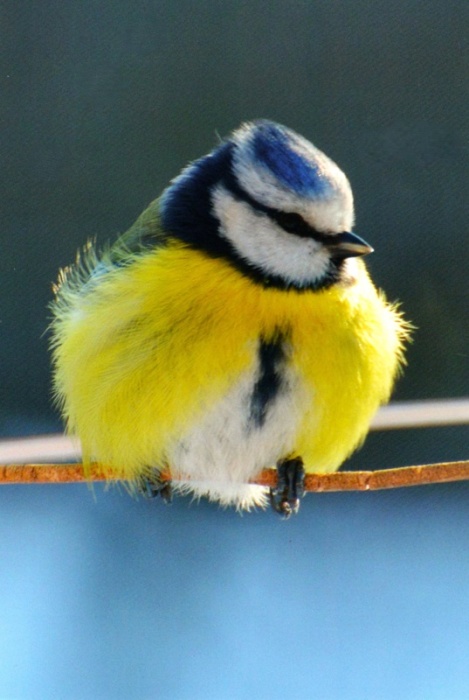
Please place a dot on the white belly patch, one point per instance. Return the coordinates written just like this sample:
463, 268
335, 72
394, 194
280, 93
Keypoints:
230, 445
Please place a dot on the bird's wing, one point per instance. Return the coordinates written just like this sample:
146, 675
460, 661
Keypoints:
145, 234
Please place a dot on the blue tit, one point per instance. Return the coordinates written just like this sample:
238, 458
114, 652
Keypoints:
234, 327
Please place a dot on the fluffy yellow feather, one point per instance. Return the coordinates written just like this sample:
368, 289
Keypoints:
149, 339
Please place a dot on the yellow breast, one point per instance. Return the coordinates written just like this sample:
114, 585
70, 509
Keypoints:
149, 348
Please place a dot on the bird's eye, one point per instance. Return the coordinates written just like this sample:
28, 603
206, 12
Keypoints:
293, 223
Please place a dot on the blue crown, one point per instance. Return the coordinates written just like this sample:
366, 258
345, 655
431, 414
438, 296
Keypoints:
289, 157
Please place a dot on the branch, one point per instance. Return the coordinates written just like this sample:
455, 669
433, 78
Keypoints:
404, 414
339, 481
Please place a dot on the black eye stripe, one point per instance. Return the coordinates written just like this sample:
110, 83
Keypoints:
295, 224
291, 222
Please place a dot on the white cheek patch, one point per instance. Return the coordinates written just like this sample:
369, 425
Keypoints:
261, 242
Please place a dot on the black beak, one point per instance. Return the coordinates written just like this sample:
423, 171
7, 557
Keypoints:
347, 245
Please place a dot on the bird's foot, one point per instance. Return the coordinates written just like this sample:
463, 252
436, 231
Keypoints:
285, 498
153, 485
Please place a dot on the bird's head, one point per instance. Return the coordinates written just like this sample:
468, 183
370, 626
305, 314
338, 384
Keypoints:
272, 204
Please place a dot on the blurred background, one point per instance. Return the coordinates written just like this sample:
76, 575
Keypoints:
360, 596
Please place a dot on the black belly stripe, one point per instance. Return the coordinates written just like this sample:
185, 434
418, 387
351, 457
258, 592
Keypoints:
271, 355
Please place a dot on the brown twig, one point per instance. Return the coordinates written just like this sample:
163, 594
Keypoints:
339, 481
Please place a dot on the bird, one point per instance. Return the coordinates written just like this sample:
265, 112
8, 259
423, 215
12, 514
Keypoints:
234, 327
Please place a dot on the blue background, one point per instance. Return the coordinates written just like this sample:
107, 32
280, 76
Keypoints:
360, 596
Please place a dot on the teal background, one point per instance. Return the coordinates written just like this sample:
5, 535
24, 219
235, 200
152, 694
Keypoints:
362, 595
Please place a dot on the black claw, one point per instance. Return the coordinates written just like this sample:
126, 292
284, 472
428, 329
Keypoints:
285, 498
153, 486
